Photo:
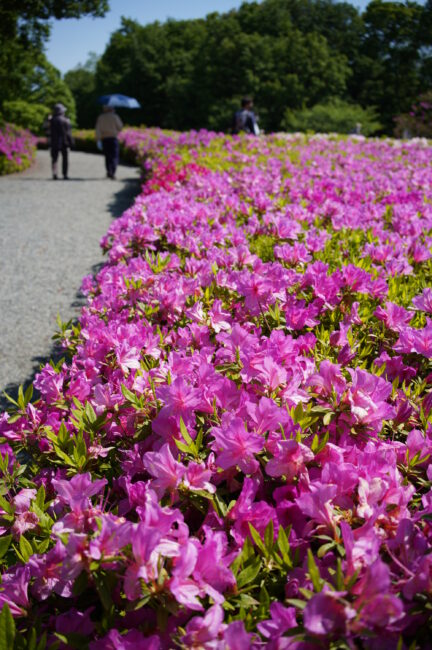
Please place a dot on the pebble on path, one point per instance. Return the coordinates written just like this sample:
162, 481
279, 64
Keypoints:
49, 240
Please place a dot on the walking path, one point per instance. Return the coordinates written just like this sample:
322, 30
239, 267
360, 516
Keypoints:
49, 240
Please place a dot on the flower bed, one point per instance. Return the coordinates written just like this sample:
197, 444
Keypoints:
17, 149
237, 454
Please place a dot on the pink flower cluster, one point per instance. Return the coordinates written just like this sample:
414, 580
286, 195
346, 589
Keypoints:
17, 148
237, 454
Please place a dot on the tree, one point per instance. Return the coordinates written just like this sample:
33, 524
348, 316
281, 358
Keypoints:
81, 82
388, 69
25, 74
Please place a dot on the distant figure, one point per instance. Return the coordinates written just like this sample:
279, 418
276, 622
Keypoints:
244, 120
47, 129
60, 139
108, 126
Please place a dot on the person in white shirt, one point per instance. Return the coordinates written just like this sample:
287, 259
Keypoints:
108, 126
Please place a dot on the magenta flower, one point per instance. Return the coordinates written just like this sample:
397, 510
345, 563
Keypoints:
234, 445
324, 615
394, 317
179, 398
166, 471
367, 397
282, 619
14, 590
290, 458
423, 302
205, 631
76, 493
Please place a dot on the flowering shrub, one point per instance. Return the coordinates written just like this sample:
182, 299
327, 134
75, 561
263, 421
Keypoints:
17, 149
418, 122
237, 453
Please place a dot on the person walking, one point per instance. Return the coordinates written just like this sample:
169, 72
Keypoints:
244, 120
60, 139
108, 126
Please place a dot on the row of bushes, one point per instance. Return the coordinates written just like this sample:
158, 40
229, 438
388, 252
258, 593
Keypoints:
236, 453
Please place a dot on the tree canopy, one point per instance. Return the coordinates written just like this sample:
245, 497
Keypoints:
28, 82
291, 55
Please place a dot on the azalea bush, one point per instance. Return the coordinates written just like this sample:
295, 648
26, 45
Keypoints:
17, 148
234, 452
418, 122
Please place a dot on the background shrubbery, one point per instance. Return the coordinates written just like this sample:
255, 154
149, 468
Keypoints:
337, 116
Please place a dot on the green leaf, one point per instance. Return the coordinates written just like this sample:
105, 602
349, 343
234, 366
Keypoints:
10, 399
269, 535
295, 602
5, 542
257, 538
6, 506
185, 433
324, 548
314, 572
181, 445
220, 505
40, 497
25, 548
315, 443
327, 418
32, 639
284, 546
7, 628
103, 591
42, 642
90, 413
128, 394
339, 575
249, 574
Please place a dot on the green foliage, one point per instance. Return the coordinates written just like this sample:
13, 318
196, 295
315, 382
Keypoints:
335, 117
394, 62
41, 86
262, 245
25, 74
294, 55
25, 114
81, 83
7, 628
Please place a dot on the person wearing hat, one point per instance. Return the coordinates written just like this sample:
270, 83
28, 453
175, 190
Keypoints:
61, 139
108, 126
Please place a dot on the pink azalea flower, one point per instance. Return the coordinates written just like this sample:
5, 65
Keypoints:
423, 302
166, 471
234, 445
290, 458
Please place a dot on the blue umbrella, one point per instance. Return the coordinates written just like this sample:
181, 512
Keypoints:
119, 101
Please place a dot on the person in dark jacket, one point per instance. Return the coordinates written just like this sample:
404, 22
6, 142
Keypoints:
244, 120
61, 139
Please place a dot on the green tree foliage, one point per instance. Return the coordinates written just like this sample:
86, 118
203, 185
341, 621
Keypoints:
191, 74
41, 86
394, 57
81, 82
300, 59
26, 77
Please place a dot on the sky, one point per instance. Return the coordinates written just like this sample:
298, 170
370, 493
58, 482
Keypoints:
72, 40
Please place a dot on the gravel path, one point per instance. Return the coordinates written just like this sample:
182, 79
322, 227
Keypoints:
49, 240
